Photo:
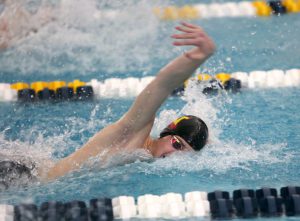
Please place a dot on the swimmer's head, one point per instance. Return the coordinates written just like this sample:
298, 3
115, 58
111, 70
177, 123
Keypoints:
190, 128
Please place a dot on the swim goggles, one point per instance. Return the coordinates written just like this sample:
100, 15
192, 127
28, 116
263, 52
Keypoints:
176, 143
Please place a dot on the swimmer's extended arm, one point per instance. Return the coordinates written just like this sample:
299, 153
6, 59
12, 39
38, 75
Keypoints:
171, 76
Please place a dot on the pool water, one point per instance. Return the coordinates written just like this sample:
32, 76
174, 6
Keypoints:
254, 135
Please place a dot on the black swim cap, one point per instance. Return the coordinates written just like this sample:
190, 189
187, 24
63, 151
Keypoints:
191, 128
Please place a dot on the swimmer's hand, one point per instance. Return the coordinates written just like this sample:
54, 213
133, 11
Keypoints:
193, 35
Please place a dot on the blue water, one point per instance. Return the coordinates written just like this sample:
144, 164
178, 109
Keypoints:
254, 134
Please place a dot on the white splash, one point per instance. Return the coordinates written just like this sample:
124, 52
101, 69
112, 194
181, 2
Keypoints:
92, 36
40, 151
219, 155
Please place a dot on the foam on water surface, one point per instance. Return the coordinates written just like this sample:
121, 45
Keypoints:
83, 39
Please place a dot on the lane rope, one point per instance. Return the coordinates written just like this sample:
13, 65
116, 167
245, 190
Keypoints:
229, 9
242, 203
216, 10
131, 87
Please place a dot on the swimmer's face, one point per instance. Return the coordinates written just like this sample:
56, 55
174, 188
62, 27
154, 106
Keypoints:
169, 144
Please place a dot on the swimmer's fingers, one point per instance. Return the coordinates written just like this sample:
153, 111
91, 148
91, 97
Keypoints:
188, 42
195, 38
185, 36
191, 26
188, 28
184, 29
193, 35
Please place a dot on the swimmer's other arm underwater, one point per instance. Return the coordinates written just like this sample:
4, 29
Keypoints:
132, 131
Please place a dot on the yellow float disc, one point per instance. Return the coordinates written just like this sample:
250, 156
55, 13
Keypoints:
54, 85
203, 77
19, 86
223, 77
39, 86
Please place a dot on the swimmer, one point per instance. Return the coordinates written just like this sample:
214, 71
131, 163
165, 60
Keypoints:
132, 131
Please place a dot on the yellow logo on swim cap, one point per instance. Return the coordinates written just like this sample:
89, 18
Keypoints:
180, 119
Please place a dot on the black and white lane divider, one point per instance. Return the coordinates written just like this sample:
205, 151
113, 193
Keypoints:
131, 87
243, 203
